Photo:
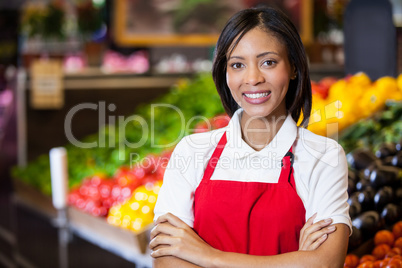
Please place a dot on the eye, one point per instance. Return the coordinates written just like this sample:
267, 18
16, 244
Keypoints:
269, 62
236, 65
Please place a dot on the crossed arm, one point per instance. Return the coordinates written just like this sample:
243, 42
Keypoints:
175, 244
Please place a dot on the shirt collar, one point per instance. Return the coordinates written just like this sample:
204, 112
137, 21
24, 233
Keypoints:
276, 149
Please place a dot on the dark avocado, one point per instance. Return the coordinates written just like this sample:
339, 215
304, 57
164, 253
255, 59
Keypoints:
384, 175
355, 240
352, 175
383, 197
390, 214
368, 223
362, 184
360, 158
396, 160
385, 150
367, 171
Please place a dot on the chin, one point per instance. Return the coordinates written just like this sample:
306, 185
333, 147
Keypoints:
257, 112
265, 112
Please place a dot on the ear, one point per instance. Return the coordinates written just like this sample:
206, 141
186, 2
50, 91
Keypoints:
294, 73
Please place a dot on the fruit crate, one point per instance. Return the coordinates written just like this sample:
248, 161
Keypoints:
124, 243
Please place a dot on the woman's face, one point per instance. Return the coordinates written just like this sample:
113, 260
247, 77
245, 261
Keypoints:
258, 74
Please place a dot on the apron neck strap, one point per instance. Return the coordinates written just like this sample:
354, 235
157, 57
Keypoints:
215, 157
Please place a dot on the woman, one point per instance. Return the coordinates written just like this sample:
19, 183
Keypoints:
243, 201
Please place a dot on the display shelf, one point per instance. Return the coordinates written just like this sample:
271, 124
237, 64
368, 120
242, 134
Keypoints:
111, 82
123, 243
95, 78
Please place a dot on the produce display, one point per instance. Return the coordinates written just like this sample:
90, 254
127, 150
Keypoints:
104, 181
346, 101
386, 252
128, 198
196, 97
343, 101
137, 212
381, 127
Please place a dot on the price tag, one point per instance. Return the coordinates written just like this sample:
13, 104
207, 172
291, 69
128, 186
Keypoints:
46, 84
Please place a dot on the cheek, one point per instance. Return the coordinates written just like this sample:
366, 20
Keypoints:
282, 81
232, 84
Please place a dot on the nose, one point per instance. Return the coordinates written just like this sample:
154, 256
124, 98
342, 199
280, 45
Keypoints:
253, 76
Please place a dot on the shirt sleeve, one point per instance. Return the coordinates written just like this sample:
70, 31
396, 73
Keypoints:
328, 189
177, 193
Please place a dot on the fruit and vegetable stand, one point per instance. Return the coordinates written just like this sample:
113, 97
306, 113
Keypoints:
111, 197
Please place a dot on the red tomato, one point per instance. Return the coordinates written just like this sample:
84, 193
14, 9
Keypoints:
202, 127
220, 121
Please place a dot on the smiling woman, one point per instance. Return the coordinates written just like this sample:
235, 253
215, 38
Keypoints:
258, 75
235, 210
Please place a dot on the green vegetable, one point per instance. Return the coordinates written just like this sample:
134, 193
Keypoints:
197, 97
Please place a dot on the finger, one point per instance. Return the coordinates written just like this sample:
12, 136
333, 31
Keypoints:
309, 222
312, 218
172, 219
165, 240
317, 226
305, 238
318, 242
312, 238
163, 251
163, 228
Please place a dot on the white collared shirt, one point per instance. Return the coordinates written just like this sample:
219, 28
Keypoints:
320, 169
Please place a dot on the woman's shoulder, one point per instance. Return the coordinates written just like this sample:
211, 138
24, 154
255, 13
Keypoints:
310, 137
311, 145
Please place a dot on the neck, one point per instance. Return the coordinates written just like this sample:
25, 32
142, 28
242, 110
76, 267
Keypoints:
258, 132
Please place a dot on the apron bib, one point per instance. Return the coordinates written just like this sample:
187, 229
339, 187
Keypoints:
249, 217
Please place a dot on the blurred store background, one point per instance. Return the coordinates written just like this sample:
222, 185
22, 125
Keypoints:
73, 71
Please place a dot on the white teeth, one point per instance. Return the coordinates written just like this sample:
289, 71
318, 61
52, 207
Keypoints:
256, 95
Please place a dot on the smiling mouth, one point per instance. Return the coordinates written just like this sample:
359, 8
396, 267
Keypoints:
257, 95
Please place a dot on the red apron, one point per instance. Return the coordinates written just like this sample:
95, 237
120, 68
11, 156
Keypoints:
249, 217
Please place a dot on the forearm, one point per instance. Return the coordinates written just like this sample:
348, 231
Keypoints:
292, 259
173, 262
330, 254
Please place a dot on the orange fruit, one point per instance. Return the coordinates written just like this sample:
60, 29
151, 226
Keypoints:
394, 252
397, 229
397, 262
378, 264
384, 237
367, 257
398, 243
366, 264
392, 265
351, 260
380, 251
398, 251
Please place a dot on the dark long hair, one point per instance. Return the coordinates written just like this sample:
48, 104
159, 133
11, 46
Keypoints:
298, 97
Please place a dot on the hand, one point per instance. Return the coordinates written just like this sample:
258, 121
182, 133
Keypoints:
313, 235
173, 237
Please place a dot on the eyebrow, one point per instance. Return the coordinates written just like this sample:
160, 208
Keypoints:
258, 56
